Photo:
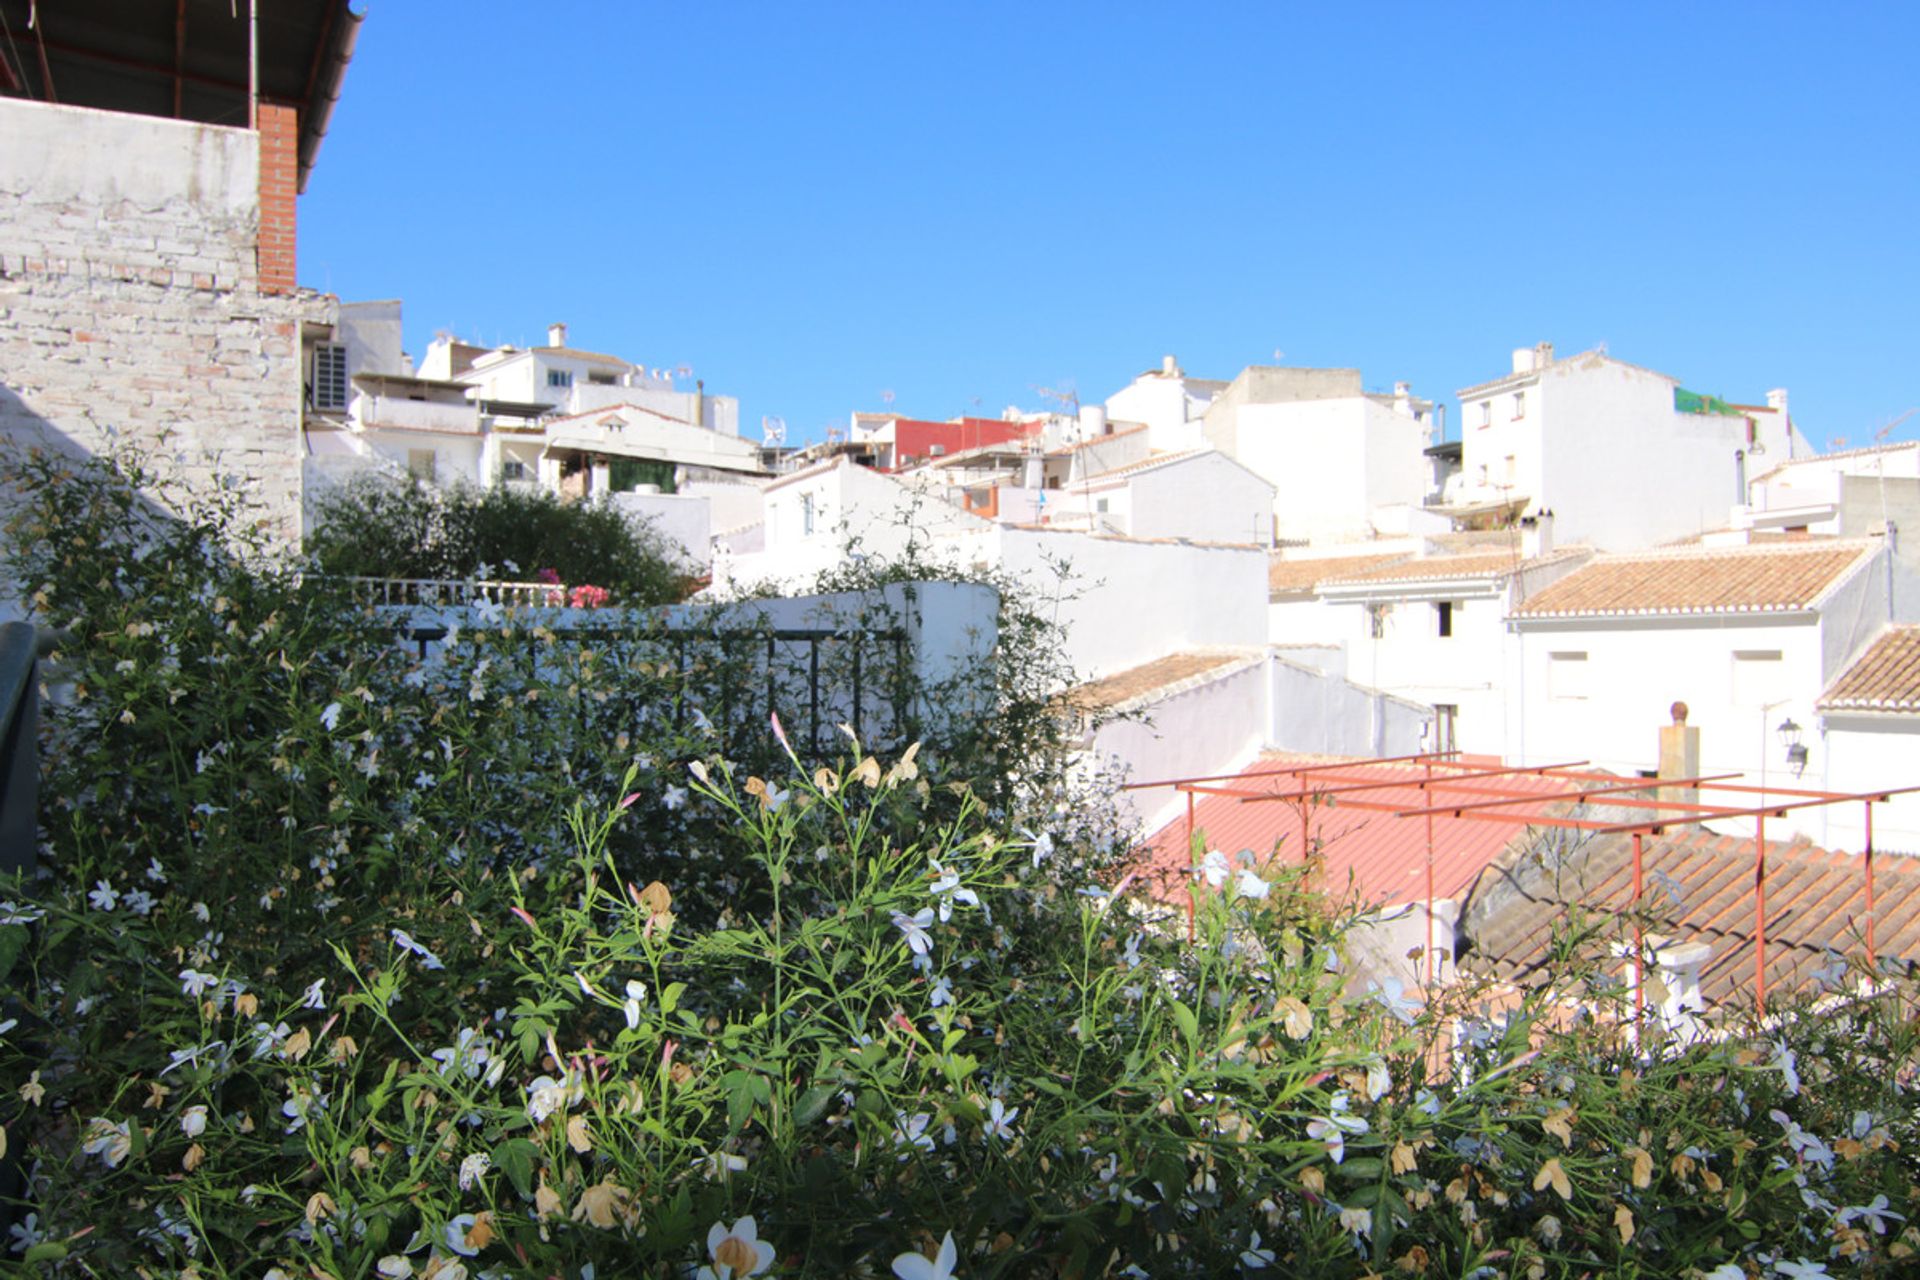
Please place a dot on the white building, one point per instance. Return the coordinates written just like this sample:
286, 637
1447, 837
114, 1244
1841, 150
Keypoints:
1870, 737
1168, 403
568, 380
1198, 494
1345, 464
1432, 629
1748, 637
1855, 493
1623, 457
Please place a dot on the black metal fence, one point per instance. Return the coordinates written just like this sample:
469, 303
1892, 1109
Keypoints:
814, 679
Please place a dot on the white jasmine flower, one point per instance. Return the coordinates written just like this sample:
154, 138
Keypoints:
911, 1131
104, 896
1251, 885
737, 1251
636, 992
139, 901
456, 1234
472, 1168
1254, 1256
1787, 1065
914, 1266
941, 992
331, 716
156, 872
404, 940
1214, 868
195, 983
1000, 1119
193, 1121
915, 929
110, 1140
673, 798
315, 999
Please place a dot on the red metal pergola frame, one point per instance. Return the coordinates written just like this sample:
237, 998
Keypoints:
1480, 797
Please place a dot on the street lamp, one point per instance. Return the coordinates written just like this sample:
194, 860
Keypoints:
1796, 750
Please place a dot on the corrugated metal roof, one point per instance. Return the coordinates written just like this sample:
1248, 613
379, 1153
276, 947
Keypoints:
1763, 579
1382, 857
1886, 678
1697, 887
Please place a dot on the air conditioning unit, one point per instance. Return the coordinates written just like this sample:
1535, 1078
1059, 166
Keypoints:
938, 451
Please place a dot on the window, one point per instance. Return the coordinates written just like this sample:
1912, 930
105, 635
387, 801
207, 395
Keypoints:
513, 469
329, 387
1513, 469
806, 515
1443, 618
1377, 621
1567, 676
1519, 404
1486, 413
600, 379
1101, 506
1446, 727
422, 464
559, 378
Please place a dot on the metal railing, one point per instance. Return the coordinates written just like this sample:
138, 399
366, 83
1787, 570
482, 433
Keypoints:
814, 679
19, 745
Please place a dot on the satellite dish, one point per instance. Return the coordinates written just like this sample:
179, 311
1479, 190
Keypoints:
773, 429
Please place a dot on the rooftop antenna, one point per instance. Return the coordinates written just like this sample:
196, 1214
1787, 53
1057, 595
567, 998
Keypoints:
773, 429
886, 397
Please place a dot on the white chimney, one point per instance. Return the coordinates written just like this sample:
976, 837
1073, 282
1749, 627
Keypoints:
1536, 534
1402, 397
1542, 355
556, 335
1169, 367
1093, 421
1523, 359
1777, 400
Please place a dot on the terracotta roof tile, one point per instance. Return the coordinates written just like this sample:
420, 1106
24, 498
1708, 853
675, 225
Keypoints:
1475, 565
1763, 579
1137, 682
1697, 888
1099, 478
1304, 575
1886, 678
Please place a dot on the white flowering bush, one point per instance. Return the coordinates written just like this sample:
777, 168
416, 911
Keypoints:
338, 969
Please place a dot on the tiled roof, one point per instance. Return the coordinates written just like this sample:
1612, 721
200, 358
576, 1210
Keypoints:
1886, 678
1757, 579
1154, 462
1094, 442
1303, 575
1162, 674
1479, 564
1837, 455
1383, 858
1698, 887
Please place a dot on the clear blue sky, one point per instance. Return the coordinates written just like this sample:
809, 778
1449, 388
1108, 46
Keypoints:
812, 204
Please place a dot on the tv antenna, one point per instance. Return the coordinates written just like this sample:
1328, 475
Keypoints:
773, 429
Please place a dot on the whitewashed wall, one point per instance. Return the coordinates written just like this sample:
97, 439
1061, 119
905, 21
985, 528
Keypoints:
1208, 498
1857, 752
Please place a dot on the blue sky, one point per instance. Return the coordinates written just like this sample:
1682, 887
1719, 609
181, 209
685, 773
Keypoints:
812, 205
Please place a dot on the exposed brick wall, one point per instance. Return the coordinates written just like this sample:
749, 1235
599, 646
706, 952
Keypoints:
131, 306
279, 175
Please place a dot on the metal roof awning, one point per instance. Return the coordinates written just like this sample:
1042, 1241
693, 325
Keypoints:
185, 59
649, 453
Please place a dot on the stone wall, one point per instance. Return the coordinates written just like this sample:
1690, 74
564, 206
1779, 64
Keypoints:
130, 306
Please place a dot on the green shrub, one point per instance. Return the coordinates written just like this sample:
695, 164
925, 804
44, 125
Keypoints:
378, 525
346, 964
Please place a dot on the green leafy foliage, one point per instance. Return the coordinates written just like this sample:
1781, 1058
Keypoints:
503, 963
395, 526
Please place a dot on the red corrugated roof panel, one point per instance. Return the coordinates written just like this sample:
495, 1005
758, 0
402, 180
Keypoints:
1384, 857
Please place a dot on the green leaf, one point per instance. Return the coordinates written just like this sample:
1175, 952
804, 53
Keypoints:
1189, 1022
670, 998
813, 1104
517, 1157
13, 940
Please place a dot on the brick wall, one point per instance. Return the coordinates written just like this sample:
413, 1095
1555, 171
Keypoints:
279, 175
133, 299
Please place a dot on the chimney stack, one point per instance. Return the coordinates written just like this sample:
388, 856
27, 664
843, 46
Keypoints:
1777, 400
556, 335
1169, 367
1543, 355
1680, 756
1536, 534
